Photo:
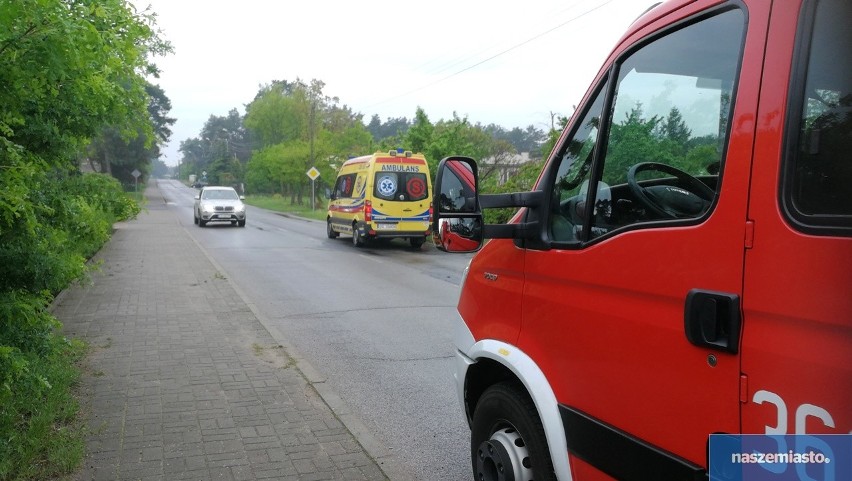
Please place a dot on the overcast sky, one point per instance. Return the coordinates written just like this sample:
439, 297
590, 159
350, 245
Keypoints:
508, 63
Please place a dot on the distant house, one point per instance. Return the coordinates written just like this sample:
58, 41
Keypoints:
504, 165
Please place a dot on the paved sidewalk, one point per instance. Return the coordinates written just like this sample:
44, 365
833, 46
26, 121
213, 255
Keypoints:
183, 381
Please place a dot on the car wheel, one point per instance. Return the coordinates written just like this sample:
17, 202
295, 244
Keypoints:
194, 219
416, 242
241, 223
507, 437
329, 231
357, 240
202, 222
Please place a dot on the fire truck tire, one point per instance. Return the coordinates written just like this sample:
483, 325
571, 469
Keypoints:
507, 439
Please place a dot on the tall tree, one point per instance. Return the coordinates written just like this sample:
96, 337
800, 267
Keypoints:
70, 68
674, 129
222, 149
392, 128
116, 153
285, 117
418, 138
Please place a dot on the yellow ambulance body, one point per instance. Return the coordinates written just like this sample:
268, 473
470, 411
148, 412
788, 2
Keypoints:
382, 196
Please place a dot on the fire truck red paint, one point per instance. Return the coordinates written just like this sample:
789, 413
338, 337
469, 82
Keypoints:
683, 265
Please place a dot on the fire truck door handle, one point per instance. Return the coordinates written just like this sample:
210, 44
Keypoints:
712, 319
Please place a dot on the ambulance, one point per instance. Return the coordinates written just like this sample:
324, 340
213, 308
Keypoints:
681, 271
385, 195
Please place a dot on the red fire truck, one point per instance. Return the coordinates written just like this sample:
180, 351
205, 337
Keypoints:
683, 265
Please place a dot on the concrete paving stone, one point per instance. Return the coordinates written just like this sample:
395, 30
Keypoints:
302, 455
333, 448
140, 470
371, 471
174, 465
197, 475
227, 459
304, 466
267, 445
317, 476
152, 454
103, 474
196, 461
276, 474
220, 435
241, 473
218, 473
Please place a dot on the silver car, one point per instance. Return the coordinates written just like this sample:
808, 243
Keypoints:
219, 204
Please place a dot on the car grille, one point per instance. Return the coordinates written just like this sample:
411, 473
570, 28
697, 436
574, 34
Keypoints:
224, 208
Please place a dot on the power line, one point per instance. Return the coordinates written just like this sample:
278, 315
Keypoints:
464, 58
503, 52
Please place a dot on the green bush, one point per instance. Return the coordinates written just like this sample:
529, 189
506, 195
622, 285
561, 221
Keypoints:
38, 412
51, 222
37, 374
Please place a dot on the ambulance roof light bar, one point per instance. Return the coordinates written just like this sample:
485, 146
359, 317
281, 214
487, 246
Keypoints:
394, 153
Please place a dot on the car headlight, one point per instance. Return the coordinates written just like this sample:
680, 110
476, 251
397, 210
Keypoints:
207, 208
241, 208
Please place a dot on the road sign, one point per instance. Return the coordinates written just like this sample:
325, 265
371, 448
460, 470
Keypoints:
313, 173
136, 175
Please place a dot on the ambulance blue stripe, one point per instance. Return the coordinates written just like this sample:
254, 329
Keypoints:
424, 217
402, 219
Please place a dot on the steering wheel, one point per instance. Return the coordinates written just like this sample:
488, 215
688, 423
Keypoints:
670, 201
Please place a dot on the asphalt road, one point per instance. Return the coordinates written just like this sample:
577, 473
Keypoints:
374, 321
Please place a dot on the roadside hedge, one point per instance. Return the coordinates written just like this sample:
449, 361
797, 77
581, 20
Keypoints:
51, 222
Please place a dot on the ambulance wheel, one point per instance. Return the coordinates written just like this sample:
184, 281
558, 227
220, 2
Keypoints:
507, 439
329, 231
416, 242
357, 240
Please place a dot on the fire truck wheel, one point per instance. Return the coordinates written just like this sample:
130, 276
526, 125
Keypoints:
507, 440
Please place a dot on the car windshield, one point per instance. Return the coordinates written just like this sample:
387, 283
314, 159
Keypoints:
219, 195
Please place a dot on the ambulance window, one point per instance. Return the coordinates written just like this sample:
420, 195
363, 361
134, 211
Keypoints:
668, 125
344, 186
818, 170
403, 186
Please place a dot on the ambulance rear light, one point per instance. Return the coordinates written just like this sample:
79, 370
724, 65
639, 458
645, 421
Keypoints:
431, 211
368, 210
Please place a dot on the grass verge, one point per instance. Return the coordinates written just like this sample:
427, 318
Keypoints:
44, 436
278, 203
